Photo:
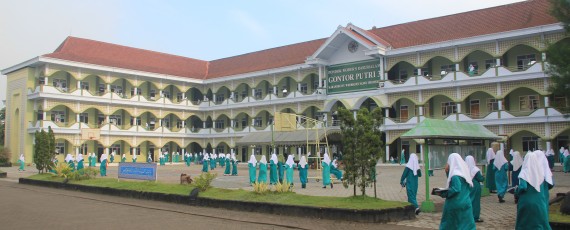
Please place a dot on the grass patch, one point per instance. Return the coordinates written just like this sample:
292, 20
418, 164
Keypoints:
287, 198
555, 216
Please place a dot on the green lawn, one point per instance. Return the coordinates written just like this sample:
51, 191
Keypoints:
291, 198
555, 215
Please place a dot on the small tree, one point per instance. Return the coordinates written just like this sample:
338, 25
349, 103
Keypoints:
361, 138
42, 156
557, 53
50, 149
2, 125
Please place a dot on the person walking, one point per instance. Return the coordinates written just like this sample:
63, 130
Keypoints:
252, 164
303, 171
532, 211
409, 180
457, 209
490, 174
475, 191
502, 182
326, 172
262, 176
273, 178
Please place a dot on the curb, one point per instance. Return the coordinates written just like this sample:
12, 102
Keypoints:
364, 216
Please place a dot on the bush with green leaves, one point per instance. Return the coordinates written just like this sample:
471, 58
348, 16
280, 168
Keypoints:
204, 181
4, 154
63, 170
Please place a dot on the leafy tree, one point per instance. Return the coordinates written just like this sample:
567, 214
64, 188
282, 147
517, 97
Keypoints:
362, 144
42, 154
2, 125
557, 53
50, 149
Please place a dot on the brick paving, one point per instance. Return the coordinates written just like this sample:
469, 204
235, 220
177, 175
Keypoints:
495, 215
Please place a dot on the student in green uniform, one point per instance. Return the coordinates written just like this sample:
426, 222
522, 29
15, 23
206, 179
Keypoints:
227, 172
103, 166
475, 192
79, 161
262, 176
212, 161
206, 163
134, 158
501, 180
403, 157
532, 211
561, 155
187, 159
196, 159
549, 182
22, 162
70, 161
280, 167
566, 161
93, 160
326, 164
289, 166
550, 157
409, 180
273, 169
516, 168
490, 177
55, 162
335, 171
112, 159
123, 158
149, 158
457, 210
161, 158
222, 158
89, 161
303, 171
252, 163
234, 165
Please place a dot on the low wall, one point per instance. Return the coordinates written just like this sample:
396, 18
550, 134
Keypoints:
368, 216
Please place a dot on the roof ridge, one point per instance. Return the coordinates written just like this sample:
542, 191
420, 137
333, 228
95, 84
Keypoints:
292, 44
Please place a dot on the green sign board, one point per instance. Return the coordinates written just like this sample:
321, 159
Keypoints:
353, 77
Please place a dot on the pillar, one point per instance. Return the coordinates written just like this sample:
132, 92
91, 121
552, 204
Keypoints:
214, 97
183, 124
136, 91
546, 102
77, 117
107, 119
422, 153
387, 151
203, 124
456, 66
419, 71
108, 87
78, 84
135, 151
44, 115
77, 149
354, 114
500, 104
107, 150
420, 111
458, 107
498, 63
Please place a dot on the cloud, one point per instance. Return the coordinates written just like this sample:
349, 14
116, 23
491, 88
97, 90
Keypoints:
247, 21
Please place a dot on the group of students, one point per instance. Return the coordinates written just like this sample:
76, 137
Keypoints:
210, 161
281, 171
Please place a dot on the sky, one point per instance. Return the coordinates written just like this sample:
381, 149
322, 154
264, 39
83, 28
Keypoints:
205, 30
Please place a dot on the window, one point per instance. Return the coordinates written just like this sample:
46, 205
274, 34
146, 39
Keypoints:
244, 94
257, 150
490, 63
166, 122
529, 143
166, 94
180, 97
137, 121
179, 124
101, 119
315, 84
270, 90
84, 117
404, 112
41, 81
219, 124
220, 97
473, 68
270, 120
492, 104
447, 68
528, 102
139, 91
84, 85
244, 122
117, 89
116, 120
257, 93
403, 75
152, 93
304, 88
525, 61
58, 116
559, 102
102, 88
40, 115
60, 84
474, 108
220, 149
425, 71
448, 108
60, 147
257, 121
138, 151
115, 148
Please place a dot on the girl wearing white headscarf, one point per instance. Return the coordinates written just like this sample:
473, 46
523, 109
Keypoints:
103, 166
517, 164
326, 171
22, 161
549, 182
222, 160
303, 171
234, 165
550, 157
335, 171
149, 158
566, 161
532, 207
457, 210
212, 161
70, 161
94, 159
475, 191
262, 177
273, 169
501, 180
161, 158
123, 158
490, 174
228, 170
561, 155
79, 161
112, 159
289, 166
252, 164
409, 180
206, 162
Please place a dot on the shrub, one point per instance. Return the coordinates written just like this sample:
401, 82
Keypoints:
260, 188
203, 182
63, 170
4, 154
90, 172
283, 187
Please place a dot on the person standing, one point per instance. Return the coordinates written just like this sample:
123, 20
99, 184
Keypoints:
112, 157
502, 182
289, 166
161, 159
22, 162
262, 176
55, 161
303, 171
475, 192
550, 157
409, 180
326, 164
94, 159
103, 166
566, 161
79, 161
549, 182
335, 171
234, 165
490, 177
149, 158
273, 169
228, 165
70, 161
561, 155
457, 210
123, 158
403, 157
532, 211
134, 158
187, 159
196, 160
222, 158
89, 159
281, 167
212, 161
517, 164
252, 164
206, 163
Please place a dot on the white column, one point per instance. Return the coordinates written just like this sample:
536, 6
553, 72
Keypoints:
500, 104
77, 118
77, 148
136, 91
546, 102
46, 80
107, 150
203, 124
233, 123
160, 122
548, 146
108, 88
498, 62
135, 151
107, 120
419, 71
387, 152
183, 123
253, 150
458, 107
420, 110
214, 150
457, 67
214, 97
253, 92
354, 114
422, 153
298, 87
387, 112
275, 90
44, 115
78, 84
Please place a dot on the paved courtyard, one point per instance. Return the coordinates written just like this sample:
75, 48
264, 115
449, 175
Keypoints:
495, 215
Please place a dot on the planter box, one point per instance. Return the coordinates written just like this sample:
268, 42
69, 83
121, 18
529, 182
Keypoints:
3, 174
7, 164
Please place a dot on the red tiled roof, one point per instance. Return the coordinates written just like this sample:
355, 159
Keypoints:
107, 54
497, 19
509, 17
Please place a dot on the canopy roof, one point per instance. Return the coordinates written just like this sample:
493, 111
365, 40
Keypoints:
441, 129
297, 137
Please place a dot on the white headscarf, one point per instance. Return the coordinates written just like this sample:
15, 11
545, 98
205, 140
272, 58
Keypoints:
413, 164
473, 169
134, 156
566, 153
326, 158
303, 162
458, 167
104, 156
123, 156
234, 157
228, 156
334, 163
500, 159
545, 167
517, 161
22, 157
290, 161
149, 157
490, 155
113, 153
160, 155
68, 157
532, 172
206, 157
274, 158
252, 160
79, 157
263, 160
561, 150
550, 152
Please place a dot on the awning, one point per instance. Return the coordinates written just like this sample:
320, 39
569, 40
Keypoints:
297, 137
441, 129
